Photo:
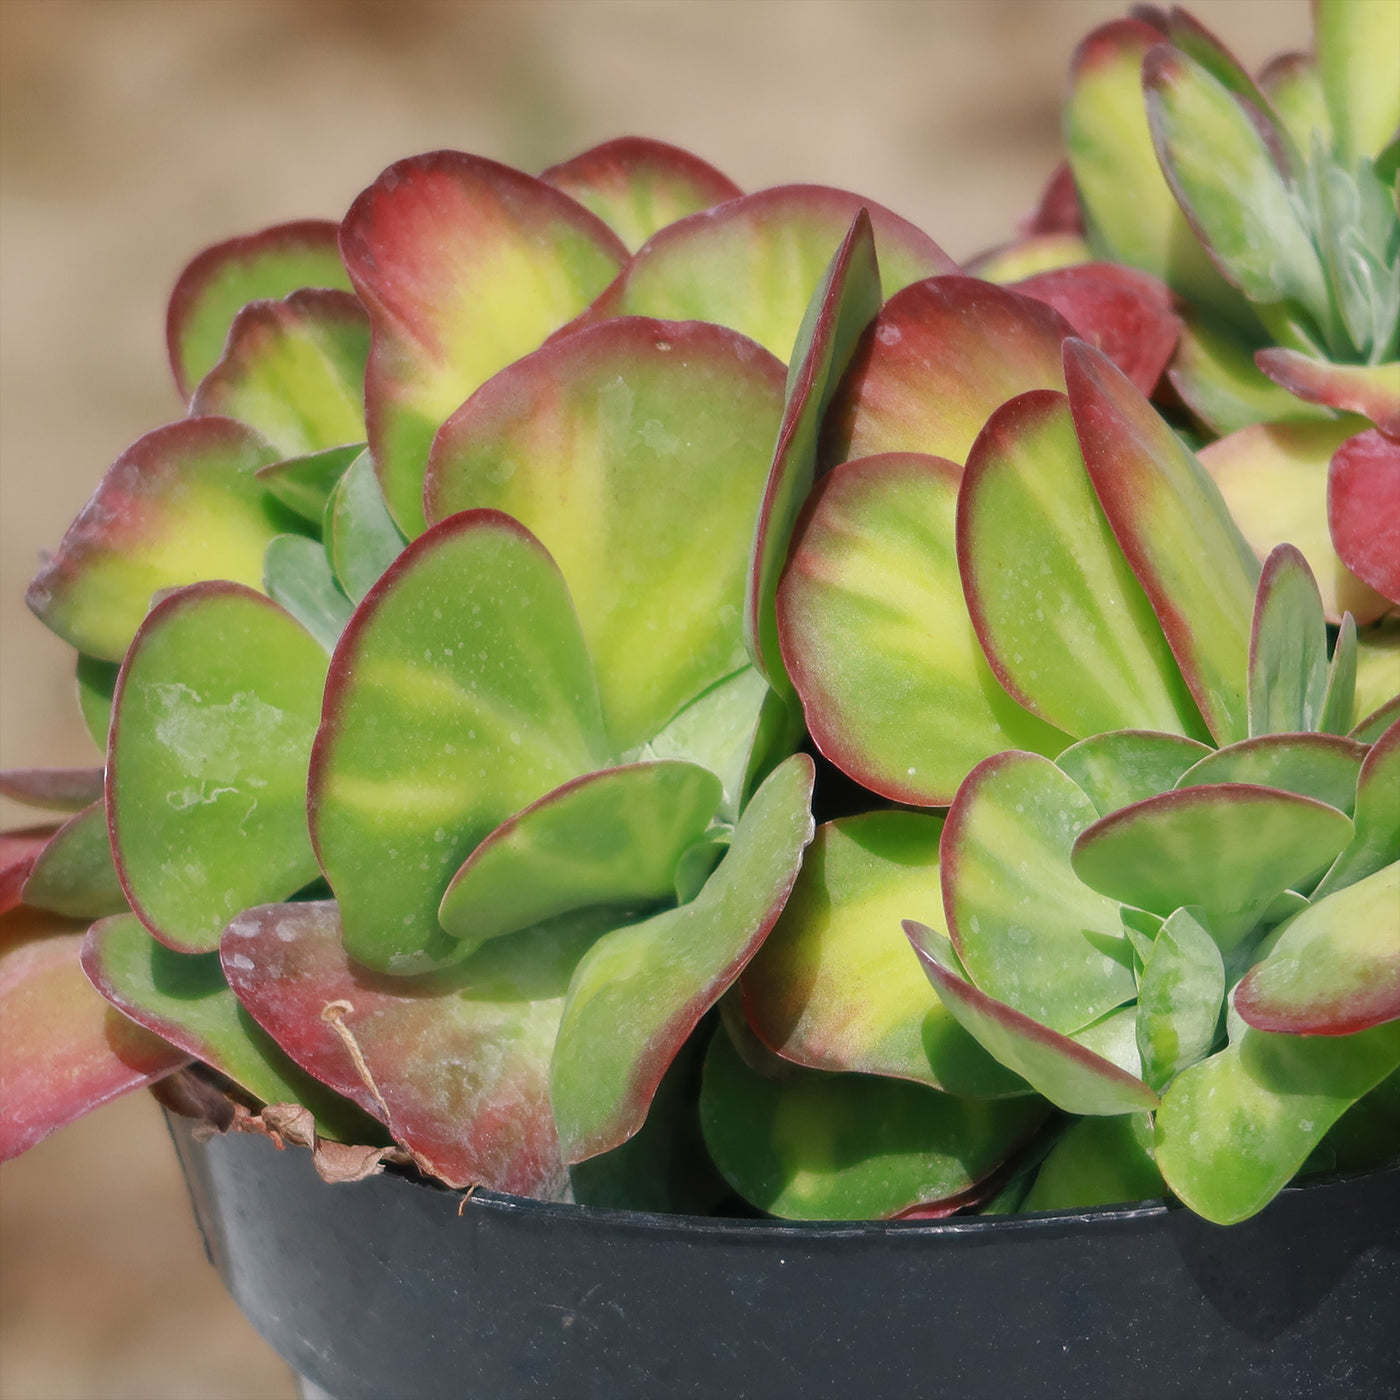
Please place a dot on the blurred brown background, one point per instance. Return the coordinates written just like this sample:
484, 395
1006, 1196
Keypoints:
134, 132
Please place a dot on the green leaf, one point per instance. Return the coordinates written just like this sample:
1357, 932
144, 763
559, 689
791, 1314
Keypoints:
805, 1145
1233, 1130
361, 537
1181, 996
1027, 930
1323, 766
1119, 768
1064, 623
443, 717
1377, 817
1339, 699
1294, 90
1287, 647
96, 680
297, 576
1098, 1162
834, 986
74, 874
304, 484
639, 991
1356, 45
611, 837
216, 709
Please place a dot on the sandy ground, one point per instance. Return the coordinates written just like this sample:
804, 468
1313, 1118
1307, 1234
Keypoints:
133, 132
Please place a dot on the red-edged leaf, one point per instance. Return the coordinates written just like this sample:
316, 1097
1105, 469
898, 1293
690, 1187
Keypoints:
1058, 210
637, 186
74, 875
1370, 390
1322, 766
1376, 815
52, 789
1363, 509
18, 852
941, 355
223, 279
464, 265
1125, 313
63, 1049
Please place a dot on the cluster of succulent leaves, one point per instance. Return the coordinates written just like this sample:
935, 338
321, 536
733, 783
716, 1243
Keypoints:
464, 658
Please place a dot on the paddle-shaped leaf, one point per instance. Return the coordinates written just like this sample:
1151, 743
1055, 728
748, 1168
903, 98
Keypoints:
1061, 618
223, 279
63, 1049
834, 987
1355, 50
184, 999
877, 640
443, 716
180, 505
941, 355
455, 1065
1181, 998
1287, 647
1027, 930
361, 537
1324, 766
845, 301
295, 371
637, 186
18, 852
1278, 1093
215, 712
1175, 531
52, 789
1370, 390
1230, 848
464, 266
297, 576
1069, 1075
639, 991
636, 451
1376, 818
304, 484
751, 264
1098, 1162
805, 1145
1274, 479
1128, 765
74, 874
1363, 509
611, 837
1335, 967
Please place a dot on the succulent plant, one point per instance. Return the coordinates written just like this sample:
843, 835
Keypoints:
465, 658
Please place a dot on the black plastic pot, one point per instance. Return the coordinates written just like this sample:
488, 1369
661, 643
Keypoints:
392, 1290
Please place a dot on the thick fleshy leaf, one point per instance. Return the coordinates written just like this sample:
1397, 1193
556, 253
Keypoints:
52, 789
464, 265
1119, 310
95, 683
752, 264
1335, 967
443, 716
1040, 252
637, 186
1230, 848
1273, 477
1278, 1093
1098, 1162
295, 371
1228, 182
1294, 90
638, 992
180, 505
636, 451
1287, 647
456, 1066
834, 987
941, 355
1377, 677
877, 640
18, 852
304, 484
1339, 698
1363, 510
225, 278
806, 1145
297, 576
1058, 210
361, 537
1373, 391
1027, 930
184, 999
216, 709
611, 837
1125, 766
845, 301
1355, 46
1060, 616
1177, 534
63, 1049
1069, 1075
1323, 766
1181, 998
1130, 213
1376, 818
74, 874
